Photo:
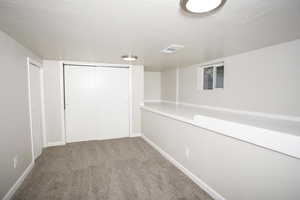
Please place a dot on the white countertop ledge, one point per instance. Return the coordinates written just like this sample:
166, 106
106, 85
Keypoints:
278, 135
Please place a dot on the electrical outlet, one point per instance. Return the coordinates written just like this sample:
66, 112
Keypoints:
187, 152
15, 162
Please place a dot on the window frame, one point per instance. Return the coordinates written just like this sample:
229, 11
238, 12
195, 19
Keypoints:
215, 76
201, 70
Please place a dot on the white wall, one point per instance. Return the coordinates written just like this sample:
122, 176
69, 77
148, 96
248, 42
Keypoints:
152, 85
137, 97
54, 100
168, 85
14, 124
265, 80
234, 169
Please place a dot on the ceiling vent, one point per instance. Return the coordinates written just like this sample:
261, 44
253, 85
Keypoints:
172, 48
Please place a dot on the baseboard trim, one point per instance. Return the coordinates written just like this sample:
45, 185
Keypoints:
135, 135
168, 101
152, 101
53, 144
18, 183
193, 177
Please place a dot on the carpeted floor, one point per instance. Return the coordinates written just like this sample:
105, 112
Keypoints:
121, 169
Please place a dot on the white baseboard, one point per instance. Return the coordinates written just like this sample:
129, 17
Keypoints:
192, 176
159, 101
167, 101
152, 100
52, 144
18, 183
136, 135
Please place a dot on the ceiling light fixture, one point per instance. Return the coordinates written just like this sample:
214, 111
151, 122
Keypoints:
172, 48
129, 58
201, 6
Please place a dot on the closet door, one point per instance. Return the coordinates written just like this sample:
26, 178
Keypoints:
97, 103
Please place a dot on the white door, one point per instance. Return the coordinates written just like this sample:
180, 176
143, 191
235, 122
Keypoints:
97, 103
36, 109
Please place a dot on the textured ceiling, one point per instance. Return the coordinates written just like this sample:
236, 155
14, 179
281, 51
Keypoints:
102, 31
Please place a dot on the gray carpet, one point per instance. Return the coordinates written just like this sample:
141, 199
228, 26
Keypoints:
121, 169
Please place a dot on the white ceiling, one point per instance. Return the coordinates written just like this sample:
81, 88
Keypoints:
103, 30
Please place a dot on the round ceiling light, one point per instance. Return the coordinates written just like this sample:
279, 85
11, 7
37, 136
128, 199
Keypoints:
129, 58
201, 6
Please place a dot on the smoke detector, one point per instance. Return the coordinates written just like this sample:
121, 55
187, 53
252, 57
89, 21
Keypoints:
172, 48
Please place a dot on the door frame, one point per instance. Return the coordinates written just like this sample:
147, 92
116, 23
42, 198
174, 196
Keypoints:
32, 62
62, 92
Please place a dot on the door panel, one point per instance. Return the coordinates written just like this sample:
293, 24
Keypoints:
36, 109
97, 103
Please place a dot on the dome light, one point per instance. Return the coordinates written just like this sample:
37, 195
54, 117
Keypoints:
129, 58
201, 6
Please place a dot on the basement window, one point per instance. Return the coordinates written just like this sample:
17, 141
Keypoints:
220, 77
208, 78
212, 76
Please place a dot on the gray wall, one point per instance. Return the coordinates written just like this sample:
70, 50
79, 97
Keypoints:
265, 80
152, 85
14, 123
168, 85
235, 169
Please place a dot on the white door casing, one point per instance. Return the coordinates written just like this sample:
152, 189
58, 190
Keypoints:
35, 107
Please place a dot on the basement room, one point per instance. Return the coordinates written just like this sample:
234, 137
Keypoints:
150, 100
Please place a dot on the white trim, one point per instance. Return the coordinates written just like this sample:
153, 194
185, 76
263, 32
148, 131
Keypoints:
167, 101
177, 85
213, 64
176, 117
215, 195
62, 110
199, 79
136, 135
273, 140
61, 143
29, 106
52, 144
18, 183
43, 109
93, 64
130, 96
152, 101
157, 101
245, 112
